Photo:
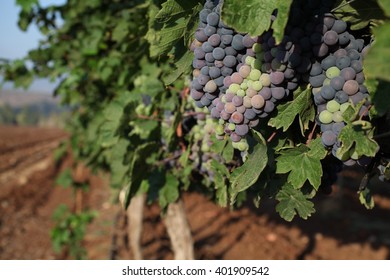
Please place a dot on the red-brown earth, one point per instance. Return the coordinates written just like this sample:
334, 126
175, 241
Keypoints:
340, 229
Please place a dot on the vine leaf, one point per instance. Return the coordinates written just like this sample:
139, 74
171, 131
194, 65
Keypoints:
221, 173
292, 202
137, 169
379, 90
182, 65
254, 16
65, 178
355, 136
170, 24
366, 198
385, 5
303, 163
246, 175
359, 13
378, 53
169, 192
301, 106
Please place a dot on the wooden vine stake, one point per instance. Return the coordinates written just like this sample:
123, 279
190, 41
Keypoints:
135, 217
179, 231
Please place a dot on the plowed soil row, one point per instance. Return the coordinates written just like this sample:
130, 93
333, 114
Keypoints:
340, 229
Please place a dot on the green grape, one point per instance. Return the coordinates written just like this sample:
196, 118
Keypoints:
257, 48
249, 59
344, 106
231, 126
338, 117
316, 90
325, 117
257, 85
255, 74
233, 88
265, 79
244, 84
256, 64
219, 130
333, 106
332, 72
241, 92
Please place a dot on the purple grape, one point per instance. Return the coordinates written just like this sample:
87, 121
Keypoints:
237, 42
344, 38
237, 101
277, 78
214, 72
328, 62
229, 61
337, 83
195, 94
213, 19
242, 129
331, 38
218, 53
341, 97
269, 106
327, 92
328, 138
339, 26
214, 40
348, 73
343, 62
278, 93
316, 81
210, 30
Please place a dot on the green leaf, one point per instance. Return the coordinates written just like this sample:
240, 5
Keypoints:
26, 4
138, 169
221, 173
366, 198
246, 175
292, 202
170, 25
385, 5
281, 19
228, 152
301, 106
379, 52
65, 178
182, 65
356, 137
120, 31
254, 16
359, 13
380, 90
169, 192
303, 163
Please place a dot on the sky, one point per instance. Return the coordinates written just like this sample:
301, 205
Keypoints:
16, 43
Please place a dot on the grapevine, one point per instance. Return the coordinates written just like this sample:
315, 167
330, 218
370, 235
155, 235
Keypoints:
239, 101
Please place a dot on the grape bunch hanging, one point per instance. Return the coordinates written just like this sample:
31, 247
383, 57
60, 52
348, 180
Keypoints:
241, 79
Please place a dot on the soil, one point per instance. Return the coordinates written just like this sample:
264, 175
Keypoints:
340, 229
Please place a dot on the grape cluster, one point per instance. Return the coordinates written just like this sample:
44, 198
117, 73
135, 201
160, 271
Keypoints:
218, 51
201, 155
337, 80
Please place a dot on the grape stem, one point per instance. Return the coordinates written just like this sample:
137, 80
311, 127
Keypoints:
342, 5
143, 117
166, 160
310, 137
365, 111
271, 137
